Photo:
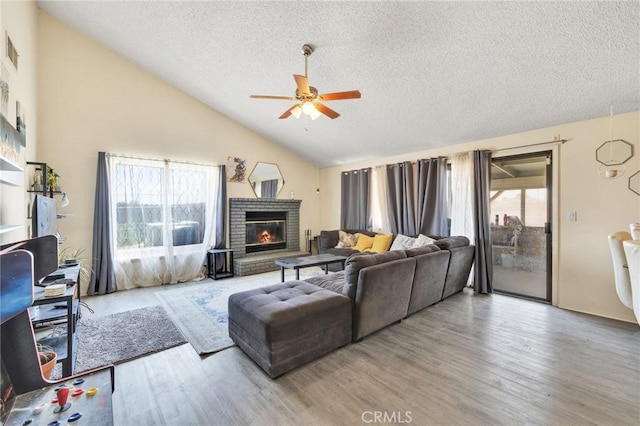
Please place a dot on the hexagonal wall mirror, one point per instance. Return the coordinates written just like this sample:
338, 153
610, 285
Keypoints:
266, 180
615, 152
634, 182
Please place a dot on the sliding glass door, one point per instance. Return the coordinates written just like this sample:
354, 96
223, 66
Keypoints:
521, 225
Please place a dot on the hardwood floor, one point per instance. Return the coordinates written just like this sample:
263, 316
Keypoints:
468, 360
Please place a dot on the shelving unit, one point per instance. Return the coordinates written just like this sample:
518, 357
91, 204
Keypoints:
44, 169
45, 312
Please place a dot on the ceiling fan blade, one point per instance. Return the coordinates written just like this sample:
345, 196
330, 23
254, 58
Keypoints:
338, 96
326, 111
288, 98
287, 113
303, 84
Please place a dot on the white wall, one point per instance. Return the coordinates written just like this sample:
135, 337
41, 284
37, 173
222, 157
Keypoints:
583, 274
19, 20
91, 100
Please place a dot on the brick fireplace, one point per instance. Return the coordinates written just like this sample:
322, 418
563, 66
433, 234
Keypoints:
263, 214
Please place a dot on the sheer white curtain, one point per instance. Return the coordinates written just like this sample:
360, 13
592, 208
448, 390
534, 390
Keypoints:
462, 209
164, 219
461, 195
379, 202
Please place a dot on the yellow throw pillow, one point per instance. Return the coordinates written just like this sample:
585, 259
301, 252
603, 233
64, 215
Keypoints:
364, 242
381, 243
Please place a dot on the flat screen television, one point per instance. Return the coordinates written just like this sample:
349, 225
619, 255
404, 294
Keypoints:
44, 217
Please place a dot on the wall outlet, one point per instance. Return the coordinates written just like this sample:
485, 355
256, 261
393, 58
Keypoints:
573, 216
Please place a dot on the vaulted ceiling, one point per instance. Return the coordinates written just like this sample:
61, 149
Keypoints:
431, 73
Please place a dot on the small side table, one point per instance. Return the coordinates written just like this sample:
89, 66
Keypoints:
227, 263
313, 249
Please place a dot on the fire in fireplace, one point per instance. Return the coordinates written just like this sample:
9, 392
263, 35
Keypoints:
265, 231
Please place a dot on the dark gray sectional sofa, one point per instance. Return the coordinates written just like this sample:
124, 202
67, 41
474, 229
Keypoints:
377, 289
386, 287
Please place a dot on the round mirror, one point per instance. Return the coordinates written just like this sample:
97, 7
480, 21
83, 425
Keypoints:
266, 180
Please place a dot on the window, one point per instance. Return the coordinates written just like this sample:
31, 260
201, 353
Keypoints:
158, 204
163, 216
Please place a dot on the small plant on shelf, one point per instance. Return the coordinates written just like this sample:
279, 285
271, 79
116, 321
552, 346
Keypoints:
52, 179
48, 359
68, 256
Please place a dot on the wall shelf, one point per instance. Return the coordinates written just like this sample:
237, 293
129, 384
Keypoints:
10, 172
9, 228
9, 166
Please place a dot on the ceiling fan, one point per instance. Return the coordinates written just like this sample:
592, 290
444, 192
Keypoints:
308, 97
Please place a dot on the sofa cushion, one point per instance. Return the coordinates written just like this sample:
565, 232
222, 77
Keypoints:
356, 262
333, 282
423, 240
346, 240
402, 242
452, 242
364, 242
381, 243
429, 277
429, 248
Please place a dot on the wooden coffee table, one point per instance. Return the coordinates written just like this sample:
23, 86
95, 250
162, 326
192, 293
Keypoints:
298, 263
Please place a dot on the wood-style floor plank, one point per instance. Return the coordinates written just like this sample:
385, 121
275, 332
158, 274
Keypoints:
468, 360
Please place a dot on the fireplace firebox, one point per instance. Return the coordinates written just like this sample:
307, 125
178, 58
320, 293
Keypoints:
265, 231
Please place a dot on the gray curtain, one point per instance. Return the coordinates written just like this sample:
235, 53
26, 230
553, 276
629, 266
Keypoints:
432, 196
269, 188
354, 206
483, 268
401, 199
221, 218
103, 277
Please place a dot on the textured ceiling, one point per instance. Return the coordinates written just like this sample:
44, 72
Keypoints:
431, 73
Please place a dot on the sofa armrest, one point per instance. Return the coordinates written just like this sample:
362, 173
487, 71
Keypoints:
382, 296
327, 240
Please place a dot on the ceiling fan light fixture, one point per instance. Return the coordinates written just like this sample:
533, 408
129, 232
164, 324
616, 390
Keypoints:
314, 113
296, 111
307, 107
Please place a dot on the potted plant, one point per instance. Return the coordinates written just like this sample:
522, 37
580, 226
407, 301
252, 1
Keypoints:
48, 359
52, 179
68, 256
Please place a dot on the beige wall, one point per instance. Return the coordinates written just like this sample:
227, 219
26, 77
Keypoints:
19, 20
583, 279
91, 100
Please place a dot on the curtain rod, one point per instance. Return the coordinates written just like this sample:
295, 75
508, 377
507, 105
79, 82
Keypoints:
559, 141
134, 157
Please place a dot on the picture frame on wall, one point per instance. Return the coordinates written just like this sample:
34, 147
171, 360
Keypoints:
236, 169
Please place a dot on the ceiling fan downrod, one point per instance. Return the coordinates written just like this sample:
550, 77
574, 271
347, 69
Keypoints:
307, 50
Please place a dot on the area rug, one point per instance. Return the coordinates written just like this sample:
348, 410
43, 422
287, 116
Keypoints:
200, 310
116, 338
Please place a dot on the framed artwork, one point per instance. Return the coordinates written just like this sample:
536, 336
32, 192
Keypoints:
236, 169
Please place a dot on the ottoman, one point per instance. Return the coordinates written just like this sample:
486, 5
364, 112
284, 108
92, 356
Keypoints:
283, 326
